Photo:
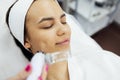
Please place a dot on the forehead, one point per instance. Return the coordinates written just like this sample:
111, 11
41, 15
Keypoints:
44, 8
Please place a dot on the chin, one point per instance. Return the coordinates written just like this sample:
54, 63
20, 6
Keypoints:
64, 48
60, 48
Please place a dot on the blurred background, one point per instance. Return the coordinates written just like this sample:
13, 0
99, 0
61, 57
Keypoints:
100, 19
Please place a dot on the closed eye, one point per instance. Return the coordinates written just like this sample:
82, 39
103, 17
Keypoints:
63, 19
64, 22
47, 27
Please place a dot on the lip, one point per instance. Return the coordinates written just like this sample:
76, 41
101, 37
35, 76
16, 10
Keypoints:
64, 42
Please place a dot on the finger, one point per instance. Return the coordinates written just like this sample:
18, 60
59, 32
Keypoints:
23, 74
44, 73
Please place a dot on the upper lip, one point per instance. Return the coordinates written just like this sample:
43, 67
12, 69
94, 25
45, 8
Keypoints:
65, 40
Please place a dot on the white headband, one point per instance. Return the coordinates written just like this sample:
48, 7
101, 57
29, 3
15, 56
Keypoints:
17, 18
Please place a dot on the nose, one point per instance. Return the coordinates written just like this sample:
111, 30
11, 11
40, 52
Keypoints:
63, 29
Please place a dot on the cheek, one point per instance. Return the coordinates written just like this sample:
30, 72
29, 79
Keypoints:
45, 42
47, 46
48, 43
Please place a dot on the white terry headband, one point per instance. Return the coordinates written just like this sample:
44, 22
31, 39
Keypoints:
17, 18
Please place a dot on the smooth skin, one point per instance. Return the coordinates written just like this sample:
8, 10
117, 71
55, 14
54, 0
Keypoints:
46, 27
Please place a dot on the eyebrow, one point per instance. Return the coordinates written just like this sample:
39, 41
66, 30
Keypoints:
49, 18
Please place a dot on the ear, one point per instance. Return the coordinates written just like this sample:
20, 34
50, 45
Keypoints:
27, 43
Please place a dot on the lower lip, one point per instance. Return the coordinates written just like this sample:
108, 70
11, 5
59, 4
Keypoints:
64, 43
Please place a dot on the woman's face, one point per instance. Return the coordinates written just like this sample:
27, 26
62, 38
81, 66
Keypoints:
46, 27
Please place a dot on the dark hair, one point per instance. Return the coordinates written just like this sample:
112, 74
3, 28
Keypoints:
26, 53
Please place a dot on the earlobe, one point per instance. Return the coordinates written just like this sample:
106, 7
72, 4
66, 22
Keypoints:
27, 44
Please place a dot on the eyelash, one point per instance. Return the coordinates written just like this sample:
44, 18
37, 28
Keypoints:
48, 27
64, 22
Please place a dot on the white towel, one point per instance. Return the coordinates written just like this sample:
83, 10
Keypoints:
92, 64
